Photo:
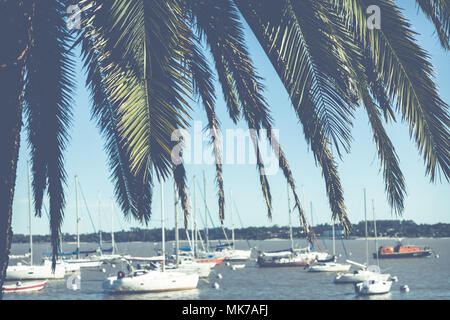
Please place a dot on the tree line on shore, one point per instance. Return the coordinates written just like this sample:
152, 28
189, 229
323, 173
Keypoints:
385, 228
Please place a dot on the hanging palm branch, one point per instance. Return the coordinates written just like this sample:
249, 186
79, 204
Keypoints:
438, 12
406, 71
48, 100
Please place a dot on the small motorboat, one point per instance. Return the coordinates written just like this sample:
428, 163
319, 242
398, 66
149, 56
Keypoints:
237, 266
372, 287
26, 286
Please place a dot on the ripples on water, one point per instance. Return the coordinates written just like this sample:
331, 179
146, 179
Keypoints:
427, 278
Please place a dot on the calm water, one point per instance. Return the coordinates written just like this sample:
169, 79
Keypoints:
427, 278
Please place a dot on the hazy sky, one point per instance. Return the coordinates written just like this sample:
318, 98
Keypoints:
425, 202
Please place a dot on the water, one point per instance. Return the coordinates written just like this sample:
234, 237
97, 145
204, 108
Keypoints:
427, 278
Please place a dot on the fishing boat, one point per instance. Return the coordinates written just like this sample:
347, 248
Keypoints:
159, 280
372, 287
27, 286
402, 251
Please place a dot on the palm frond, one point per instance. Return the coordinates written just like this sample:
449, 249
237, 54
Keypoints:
438, 12
305, 58
204, 88
218, 22
132, 193
48, 101
13, 17
151, 89
407, 73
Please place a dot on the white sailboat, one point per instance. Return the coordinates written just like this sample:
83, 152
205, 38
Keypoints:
77, 263
374, 286
34, 272
290, 257
229, 252
364, 274
331, 266
158, 280
186, 264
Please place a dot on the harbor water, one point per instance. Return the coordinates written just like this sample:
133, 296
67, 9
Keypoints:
427, 278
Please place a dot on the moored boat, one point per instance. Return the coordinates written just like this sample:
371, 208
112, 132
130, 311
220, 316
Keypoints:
141, 281
372, 287
329, 267
403, 251
27, 286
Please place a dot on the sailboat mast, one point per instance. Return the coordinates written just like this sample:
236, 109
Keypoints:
194, 225
375, 230
367, 240
163, 242
100, 225
112, 228
231, 218
177, 239
206, 213
30, 214
78, 218
334, 245
290, 217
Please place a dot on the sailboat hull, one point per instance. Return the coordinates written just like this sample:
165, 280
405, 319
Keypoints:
151, 281
25, 272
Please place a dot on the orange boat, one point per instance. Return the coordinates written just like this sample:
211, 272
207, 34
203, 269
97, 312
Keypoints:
403, 251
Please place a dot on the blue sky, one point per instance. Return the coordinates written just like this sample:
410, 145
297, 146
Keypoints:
85, 157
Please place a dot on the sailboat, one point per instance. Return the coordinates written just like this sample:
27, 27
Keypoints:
229, 251
88, 262
156, 280
186, 264
331, 266
193, 252
363, 274
289, 257
373, 286
34, 272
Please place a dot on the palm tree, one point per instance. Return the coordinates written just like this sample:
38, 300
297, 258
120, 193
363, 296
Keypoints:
145, 60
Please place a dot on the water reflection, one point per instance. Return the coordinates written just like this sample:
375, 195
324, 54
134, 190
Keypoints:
385, 296
171, 295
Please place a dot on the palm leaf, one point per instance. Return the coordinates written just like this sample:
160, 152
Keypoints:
438, 12
407, 73
48, 102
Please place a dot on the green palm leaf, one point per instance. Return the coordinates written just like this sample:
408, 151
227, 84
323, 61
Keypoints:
48, 98
406, 71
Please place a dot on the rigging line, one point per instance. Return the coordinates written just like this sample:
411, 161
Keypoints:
87, 209
240, 220
343, 245
210, 217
